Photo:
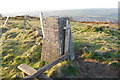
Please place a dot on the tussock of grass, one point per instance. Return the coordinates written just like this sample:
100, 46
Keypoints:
64, 69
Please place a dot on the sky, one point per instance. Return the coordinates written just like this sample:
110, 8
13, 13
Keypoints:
12, 6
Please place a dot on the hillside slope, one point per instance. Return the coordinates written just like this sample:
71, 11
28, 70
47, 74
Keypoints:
95, 45
18, 48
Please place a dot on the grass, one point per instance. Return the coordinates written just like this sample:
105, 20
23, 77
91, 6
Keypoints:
63, 69
19, 24
93, 37
18, 48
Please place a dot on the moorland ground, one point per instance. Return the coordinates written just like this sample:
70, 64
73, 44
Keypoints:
96, 49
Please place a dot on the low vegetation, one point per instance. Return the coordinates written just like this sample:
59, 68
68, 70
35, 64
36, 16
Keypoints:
92, 42
96, 41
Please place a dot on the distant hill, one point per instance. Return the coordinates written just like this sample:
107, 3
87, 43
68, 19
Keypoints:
111, 13
107, 13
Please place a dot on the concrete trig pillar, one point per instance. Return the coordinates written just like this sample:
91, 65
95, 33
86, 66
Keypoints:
54, 38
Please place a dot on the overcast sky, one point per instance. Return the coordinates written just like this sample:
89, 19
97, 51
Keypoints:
11, 6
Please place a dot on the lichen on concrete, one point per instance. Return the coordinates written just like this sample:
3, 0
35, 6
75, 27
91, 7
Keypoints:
53, 42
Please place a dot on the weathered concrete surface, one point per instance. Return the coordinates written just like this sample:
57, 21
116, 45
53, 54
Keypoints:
53, 41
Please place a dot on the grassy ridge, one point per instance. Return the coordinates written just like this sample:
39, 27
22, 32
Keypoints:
96, 42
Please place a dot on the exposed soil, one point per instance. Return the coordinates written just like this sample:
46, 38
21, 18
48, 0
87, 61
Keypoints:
92, 69
89, 68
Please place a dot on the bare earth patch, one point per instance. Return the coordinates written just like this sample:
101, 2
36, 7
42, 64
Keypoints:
92, 69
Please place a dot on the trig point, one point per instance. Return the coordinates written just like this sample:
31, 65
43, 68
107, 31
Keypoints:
54, 38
